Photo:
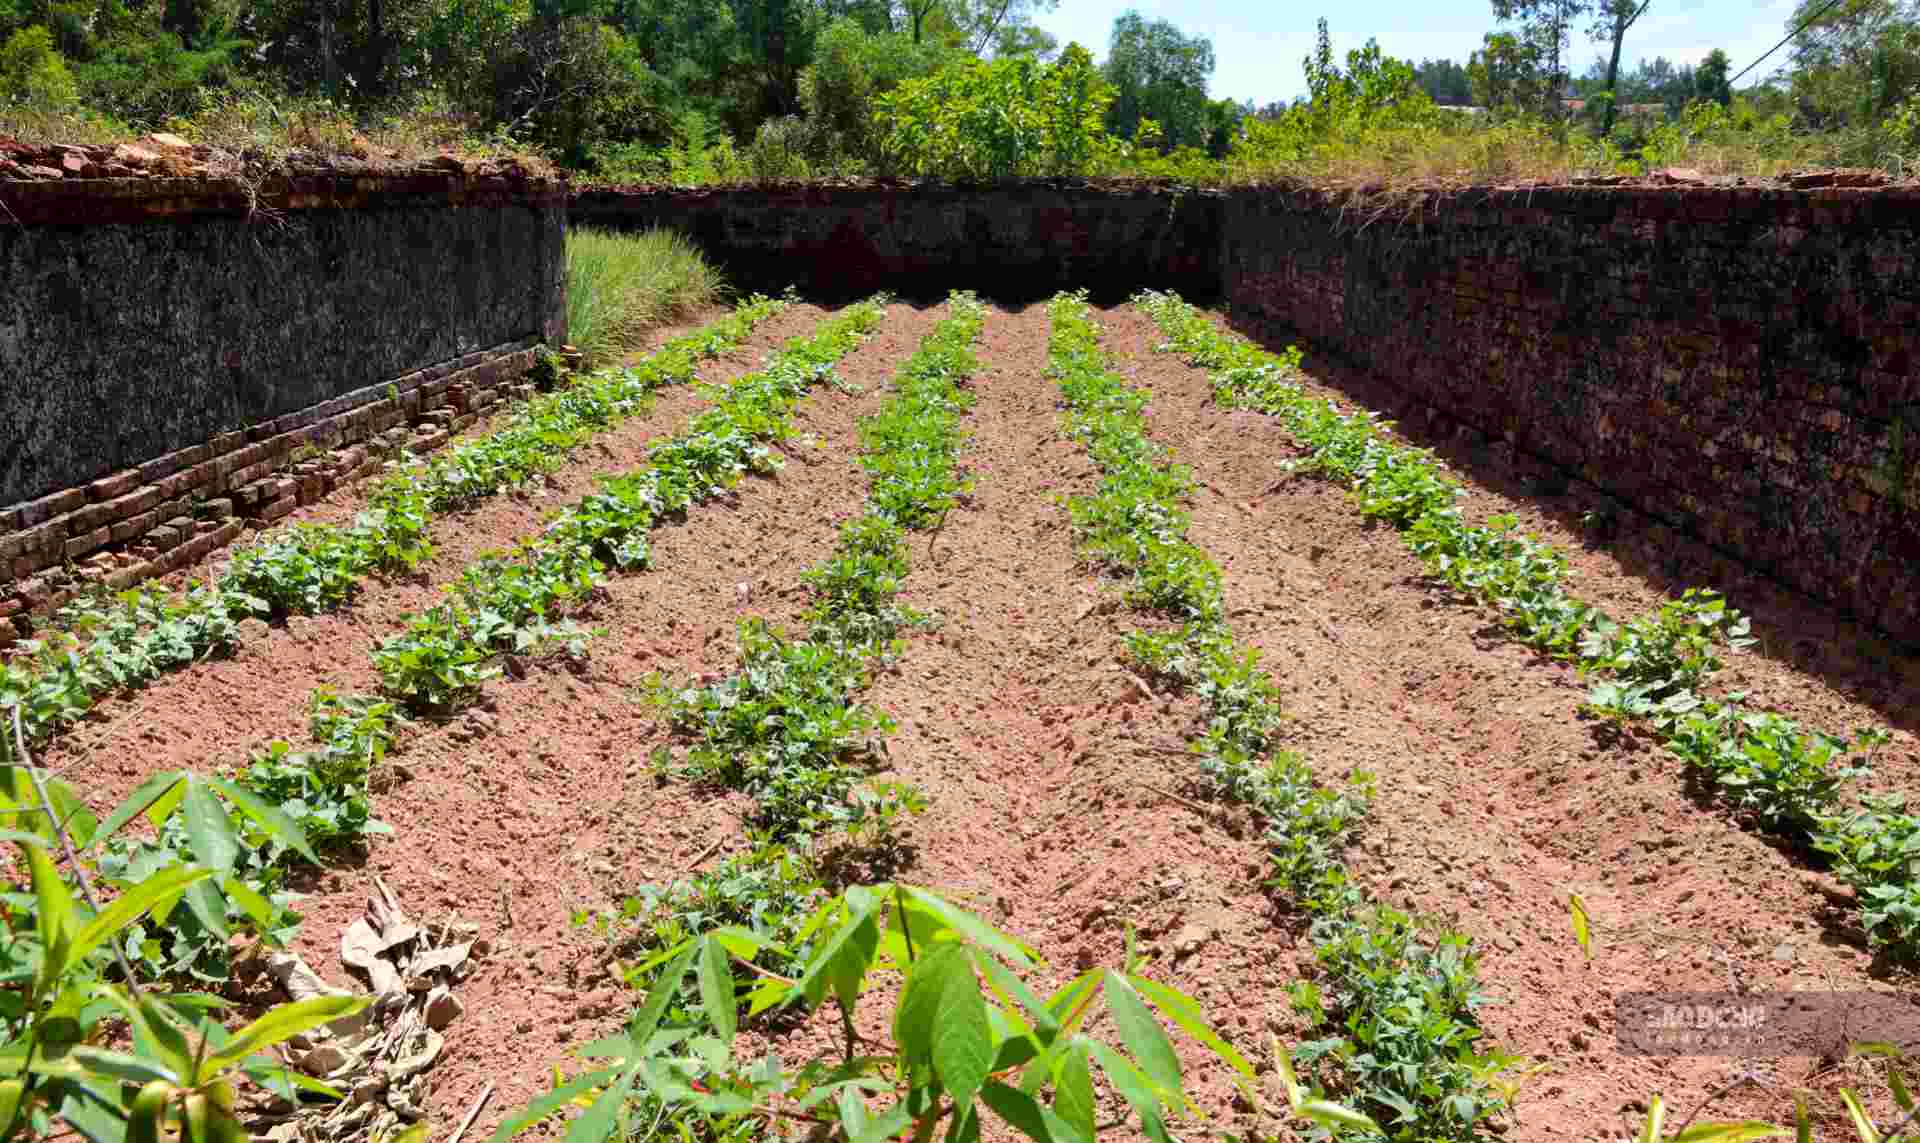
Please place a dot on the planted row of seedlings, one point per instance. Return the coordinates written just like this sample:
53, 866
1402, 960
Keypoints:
969, 1040
1783, 778
106, 646
788, 728
289, 802
221, 846
1397, 1000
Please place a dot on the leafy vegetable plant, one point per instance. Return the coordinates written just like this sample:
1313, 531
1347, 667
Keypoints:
970, 1043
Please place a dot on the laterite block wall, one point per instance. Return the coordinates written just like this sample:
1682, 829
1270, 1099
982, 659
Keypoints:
180, 353
1010, 241
1742, 363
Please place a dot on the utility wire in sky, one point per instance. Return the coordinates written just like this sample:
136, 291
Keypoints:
1821, 11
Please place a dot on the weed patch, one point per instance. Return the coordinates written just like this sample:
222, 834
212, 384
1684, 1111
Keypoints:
1768, 769
621, 285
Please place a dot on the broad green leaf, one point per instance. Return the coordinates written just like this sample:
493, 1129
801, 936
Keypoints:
281, 1023
1026, 1114
121, 1066
1582, 928
647, 1020
94, 1113
716, 989
1181, 1009
257, 908
56, 919
549, 1103
155, 1034
1142, 1034
881, 1127
1330, 1114
842, 959
597, 1122
962, 1039
1134, 1087
268, 817
1069, 1005
1073, 1096
973, 928
1007, 985
145, 797
915, 1016
133, 902
209, 830
207, 905
1728, 1132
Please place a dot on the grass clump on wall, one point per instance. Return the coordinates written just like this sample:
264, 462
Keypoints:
619, 286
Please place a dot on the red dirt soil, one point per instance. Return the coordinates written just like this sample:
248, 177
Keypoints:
1057, 781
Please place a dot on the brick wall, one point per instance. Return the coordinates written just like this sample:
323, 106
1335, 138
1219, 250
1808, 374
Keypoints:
1013, 241
181, 355
1741, 363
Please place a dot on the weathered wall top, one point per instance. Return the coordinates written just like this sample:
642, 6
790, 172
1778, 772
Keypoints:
166, 177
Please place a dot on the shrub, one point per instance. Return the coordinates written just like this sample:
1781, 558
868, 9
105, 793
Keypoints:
999, 119
621, 285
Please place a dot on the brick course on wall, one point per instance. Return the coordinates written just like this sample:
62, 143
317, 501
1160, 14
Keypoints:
182, 354
1741, 363
175, 509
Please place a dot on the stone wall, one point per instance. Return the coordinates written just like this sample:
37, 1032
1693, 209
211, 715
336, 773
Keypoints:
1014, 242
1738, 362
179, 354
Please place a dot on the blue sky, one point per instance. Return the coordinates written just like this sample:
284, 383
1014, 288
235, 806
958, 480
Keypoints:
1258, 44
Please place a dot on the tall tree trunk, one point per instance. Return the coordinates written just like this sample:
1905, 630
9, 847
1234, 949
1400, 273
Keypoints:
329, 63
1613, 71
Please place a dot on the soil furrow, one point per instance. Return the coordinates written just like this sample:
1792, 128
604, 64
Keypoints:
1041, 758
1809, 663
1496, 801
214, 712
543, 800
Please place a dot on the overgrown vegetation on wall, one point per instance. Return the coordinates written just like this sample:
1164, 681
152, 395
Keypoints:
729, 90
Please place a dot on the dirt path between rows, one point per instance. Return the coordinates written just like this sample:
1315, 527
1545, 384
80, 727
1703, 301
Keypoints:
544, 803
212, 713
1496, 801
1809, 662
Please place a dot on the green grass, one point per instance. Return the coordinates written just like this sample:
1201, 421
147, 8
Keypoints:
619, 286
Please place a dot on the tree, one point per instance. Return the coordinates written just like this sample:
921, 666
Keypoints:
1159, 73
1710, 79
1541, 41
1614, 17
33, 72
1507, 72
1856, 60
1444, 81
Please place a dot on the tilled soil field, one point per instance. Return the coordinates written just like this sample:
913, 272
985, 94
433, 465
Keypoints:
1063, 801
